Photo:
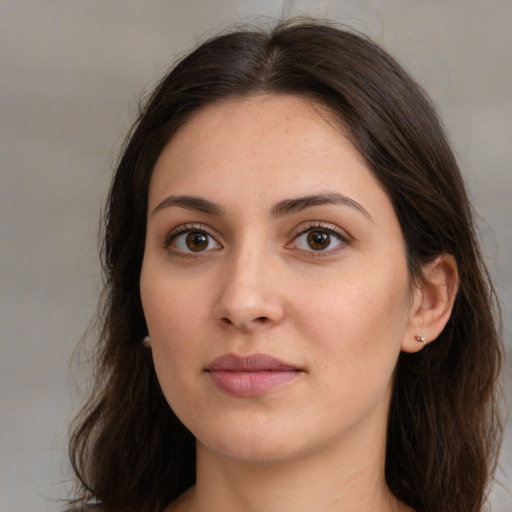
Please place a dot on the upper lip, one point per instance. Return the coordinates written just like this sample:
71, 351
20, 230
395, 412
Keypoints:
249, 363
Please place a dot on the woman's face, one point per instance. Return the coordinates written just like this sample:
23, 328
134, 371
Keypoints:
274, 282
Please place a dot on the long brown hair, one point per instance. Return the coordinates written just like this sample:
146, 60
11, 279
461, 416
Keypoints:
129, 451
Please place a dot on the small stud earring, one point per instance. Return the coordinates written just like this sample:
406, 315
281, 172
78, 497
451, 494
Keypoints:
421, 339
146, 341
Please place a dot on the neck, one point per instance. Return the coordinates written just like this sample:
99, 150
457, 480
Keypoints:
347, 479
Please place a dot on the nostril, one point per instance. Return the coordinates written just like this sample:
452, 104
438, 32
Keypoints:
258, 320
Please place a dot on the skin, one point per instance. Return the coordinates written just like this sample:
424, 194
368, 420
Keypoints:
341, 314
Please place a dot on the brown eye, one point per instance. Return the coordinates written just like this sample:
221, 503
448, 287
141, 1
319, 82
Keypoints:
196, 242
318, 240
193, 241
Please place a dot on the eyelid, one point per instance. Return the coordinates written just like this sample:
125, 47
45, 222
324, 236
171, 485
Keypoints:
318, 224
339, 233
187, 228
303, 228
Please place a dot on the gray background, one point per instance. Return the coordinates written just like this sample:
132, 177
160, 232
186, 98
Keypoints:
71, 73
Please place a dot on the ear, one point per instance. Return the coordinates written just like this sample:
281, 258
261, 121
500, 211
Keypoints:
432, 302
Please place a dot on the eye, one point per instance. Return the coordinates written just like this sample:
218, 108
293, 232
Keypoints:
191, 241
319, 239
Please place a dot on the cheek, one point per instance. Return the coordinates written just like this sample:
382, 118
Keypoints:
172, 318
176, 350
175, 327
171, 303
357, 325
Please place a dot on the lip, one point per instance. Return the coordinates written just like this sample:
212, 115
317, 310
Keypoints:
251, 375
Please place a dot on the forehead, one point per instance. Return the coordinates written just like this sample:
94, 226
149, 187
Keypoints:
277, 146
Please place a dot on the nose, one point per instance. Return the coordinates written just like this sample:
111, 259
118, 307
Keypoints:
250, 297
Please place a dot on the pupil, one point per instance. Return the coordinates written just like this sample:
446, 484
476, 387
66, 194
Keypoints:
318, 240
197, 242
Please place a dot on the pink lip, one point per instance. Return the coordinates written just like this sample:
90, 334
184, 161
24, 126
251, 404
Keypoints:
246, 376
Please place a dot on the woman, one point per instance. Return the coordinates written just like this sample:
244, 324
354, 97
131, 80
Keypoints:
297, 315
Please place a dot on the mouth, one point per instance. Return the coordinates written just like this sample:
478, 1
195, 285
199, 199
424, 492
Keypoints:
252, 375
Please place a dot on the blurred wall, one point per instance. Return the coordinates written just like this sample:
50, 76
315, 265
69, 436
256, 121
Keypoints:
71, 73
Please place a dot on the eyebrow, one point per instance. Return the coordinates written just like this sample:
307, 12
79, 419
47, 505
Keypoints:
280, 209
289, 206
193, 203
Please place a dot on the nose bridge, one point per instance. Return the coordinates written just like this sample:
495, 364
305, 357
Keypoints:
249, 295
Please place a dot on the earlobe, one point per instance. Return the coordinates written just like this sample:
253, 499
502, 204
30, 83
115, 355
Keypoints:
432, 304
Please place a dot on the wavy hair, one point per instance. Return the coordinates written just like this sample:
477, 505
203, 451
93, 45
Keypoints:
129, 450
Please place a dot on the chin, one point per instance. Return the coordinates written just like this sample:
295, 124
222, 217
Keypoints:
257, 454
258, 446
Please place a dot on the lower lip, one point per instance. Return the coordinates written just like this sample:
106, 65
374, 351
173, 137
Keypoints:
248, 384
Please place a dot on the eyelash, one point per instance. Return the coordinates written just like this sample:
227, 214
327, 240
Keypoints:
322, 227
328, 229
183, 229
